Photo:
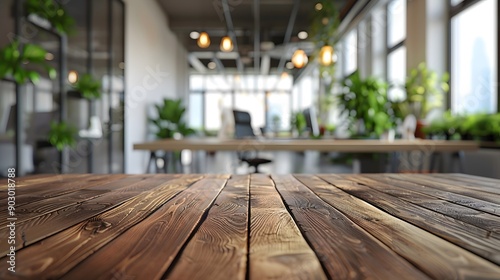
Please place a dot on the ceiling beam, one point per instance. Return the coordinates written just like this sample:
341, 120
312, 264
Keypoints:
230, 27
196, 63
288, 34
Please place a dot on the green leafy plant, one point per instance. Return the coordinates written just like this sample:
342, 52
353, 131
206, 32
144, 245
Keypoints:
481, 126
298, 121
169, 120
365, 100
13, 62
325, 23
62, 135
449, 126
89, 87
425, 91
53, 12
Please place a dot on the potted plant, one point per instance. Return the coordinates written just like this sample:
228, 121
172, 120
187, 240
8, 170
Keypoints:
481, 126
169, 121
425, 92
447, 127
13, 61
365, 103
298, 123
87, 87
62, 135
53, 12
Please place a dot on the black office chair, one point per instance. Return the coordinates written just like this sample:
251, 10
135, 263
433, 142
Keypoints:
243, 129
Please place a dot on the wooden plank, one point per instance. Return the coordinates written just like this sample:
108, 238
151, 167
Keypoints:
146, 250
277, 248
472, 182
347, 251
69, 183
218, 250
471, 202
435, 256
465, 235
27, 181
468, 215
35, 229
41, 204
57, 254
450, 186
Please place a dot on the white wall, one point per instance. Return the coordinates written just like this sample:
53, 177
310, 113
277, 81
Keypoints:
156, 67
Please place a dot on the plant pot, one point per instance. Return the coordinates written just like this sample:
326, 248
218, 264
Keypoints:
419, 130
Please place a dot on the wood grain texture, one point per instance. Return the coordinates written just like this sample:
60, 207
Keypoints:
452, 186
56, 255
39, 193
465, 235
39, 203
218, 250
68, 210
277, 248
469, 201
146, 250
489, 222
477, 183
347, 251
438, 258
32, 181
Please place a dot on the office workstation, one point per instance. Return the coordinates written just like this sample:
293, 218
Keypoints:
328, 139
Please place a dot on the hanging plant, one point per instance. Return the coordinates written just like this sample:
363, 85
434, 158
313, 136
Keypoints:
13, 62
89, 87
62, 135
53, 12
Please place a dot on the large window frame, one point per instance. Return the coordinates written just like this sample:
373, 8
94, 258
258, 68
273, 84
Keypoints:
456, 9
391, 49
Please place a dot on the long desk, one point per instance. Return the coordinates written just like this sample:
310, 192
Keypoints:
429, 147
326, 145
171, 226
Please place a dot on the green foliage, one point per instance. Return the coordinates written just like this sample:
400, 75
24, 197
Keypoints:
324, 24
53, 12
88, 87
449, 126
479, 126
298, 122
13, 62
169, 119
366, 100
62, 135
425, 91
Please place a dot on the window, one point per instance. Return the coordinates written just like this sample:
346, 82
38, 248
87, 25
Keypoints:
474, 53
396, 50
212, 95
351, 52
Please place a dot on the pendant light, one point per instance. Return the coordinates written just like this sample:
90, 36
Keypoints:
326, 55
203, 40
226, 44
299, 58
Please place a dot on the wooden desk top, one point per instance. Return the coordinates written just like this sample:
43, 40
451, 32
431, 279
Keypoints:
361, 146
381, 226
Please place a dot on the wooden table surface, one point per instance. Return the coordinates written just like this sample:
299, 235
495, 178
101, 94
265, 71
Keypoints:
327, 145
380, 226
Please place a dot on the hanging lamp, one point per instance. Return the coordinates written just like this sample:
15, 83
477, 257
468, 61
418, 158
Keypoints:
299, 58
226, 44
326, 55
204, 40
